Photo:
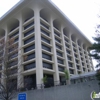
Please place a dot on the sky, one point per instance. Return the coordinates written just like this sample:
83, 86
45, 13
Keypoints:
83, 13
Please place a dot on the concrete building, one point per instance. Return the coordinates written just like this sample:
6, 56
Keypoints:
51, 42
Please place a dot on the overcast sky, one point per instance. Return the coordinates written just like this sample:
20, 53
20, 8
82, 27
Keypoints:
83, 13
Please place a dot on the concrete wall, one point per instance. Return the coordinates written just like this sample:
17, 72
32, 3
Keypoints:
80, 91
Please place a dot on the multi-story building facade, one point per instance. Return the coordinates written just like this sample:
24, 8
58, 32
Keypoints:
51, 42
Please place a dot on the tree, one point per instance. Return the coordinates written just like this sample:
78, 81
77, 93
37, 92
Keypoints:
44, 79
67, 77
9, 66
95, 50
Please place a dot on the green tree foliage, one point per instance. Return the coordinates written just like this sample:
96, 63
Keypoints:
95, 48
66, 74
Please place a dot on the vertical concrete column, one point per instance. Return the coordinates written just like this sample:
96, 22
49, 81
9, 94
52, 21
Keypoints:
74, 63
38, 50
20, 82
56, 74
64, 48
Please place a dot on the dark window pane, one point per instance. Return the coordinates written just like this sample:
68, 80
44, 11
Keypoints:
44, 25
30, 56
71, 71
46, 33
59, 54
29, 40
29, 32
60, 61
45, 40
46, 48
29, 66
29, 48
46, 56
57, 33
70, 64
27, 26
59, 47
61, 68
13, 34
58, 40
47, 65
69, 58
13, 55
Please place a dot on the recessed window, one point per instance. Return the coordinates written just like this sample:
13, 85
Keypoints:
59, 53
46, 48
61, 68
29, 32
16, 33
13, 55
67, 45
70, 64
57, 33
84, 69
60, 61
46, 56
29, 40
66, 40
69, 58
47, 65
44, 32
59, 47
45, 40
69, 52
29, 66
29, 25
44, 25
78, 67
29, 48
71, 71
77, 61
58, 40
30, 56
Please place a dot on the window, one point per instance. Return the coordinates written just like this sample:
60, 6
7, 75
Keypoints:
82, 59
82, 64
84, 69
13, 34
70, 64
13, 28
12, 63
74, 45
27, 19
81, 54
13, 55
29, 32
58, 40
80, 49
60, 61
71, 71
29, 48
13, 71
67, 45
74, 50
78, 67
27, 26
59, 47
46, 48
29, 66
0, 67
61, 68
69, 58
77, 61
45, 40
46, 56
29, 40
66, 40
44, 25
76, 55
65, 34
57, 33
59, 54
47, 65
69, 52
15, 40
30, 56
46, 33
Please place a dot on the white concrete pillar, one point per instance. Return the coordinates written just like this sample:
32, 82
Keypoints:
38, 50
